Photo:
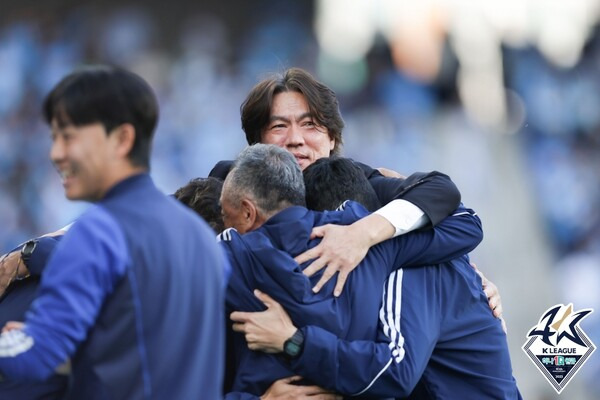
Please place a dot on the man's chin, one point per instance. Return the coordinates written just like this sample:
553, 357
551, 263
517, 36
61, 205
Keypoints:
74, 195
304, 163
70, 196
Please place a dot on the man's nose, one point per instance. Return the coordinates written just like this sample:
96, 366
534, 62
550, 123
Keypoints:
295, 136
57, 151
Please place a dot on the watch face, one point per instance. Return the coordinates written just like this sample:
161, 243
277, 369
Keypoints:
28, 248
291, 348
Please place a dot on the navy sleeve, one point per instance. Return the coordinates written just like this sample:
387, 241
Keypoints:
453, 237
86, 266
240, 396
432, 192
392, 365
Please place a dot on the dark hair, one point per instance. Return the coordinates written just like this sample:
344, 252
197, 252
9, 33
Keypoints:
332, 180
322, 104
110, 96
202, 195
270, 174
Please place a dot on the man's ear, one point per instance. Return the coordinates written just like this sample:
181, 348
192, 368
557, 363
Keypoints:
249, 214
124, 139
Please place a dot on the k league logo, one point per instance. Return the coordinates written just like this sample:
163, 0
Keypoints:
558, 346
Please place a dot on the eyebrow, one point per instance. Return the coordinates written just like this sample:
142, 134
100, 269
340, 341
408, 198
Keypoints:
273, 118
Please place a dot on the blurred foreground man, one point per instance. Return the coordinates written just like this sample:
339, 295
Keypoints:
132, 294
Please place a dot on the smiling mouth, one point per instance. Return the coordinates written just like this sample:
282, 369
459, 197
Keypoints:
65, 174
300, 157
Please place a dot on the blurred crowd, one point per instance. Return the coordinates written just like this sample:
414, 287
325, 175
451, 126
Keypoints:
203, 66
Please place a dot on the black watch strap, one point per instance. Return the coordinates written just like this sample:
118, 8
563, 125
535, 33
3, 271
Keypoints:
27, 250
294, 345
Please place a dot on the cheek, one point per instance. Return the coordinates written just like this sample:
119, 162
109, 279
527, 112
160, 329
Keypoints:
271, 138
322, 147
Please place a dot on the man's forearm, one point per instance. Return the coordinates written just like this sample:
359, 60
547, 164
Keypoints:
434, 193
357, 367
403, 215
374, 229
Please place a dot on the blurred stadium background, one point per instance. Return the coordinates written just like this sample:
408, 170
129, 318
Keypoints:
504, 96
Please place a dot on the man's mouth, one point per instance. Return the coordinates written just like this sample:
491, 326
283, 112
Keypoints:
300, 157
66, 174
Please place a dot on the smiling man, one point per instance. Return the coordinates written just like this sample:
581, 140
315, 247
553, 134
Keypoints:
292, 126
112, 298
300, 114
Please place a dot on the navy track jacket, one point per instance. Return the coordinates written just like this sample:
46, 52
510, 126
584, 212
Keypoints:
263, 260
133, 296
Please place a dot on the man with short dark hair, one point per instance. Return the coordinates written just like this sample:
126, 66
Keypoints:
331, 180
132, 295
202, 195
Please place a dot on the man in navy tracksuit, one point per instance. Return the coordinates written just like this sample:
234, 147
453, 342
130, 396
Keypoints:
440, 309
132, 295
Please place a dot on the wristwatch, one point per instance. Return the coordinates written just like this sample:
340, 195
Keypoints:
294, 345
27, 250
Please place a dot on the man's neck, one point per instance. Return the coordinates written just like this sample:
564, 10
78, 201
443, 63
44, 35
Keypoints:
120, 175
264, 216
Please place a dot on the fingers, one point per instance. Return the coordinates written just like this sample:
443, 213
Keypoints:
267, 300
390, 173
315, 267
318, 231
493, 300
307, 255
497, 310
239, 316
291, 379
327, 275
326, 396
316, 392
239, 327
252, 345
341, 281
12, 325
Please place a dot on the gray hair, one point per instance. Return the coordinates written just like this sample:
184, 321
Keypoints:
270, 175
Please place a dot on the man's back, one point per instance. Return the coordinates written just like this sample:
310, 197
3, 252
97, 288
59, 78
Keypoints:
437, 340
470, 358
263, 260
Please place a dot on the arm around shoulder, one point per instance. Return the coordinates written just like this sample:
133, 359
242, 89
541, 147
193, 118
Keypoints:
434, 193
